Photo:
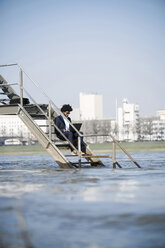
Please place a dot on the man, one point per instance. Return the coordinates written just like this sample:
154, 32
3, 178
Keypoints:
64, 127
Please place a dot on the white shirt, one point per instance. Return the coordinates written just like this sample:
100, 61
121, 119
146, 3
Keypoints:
66, 124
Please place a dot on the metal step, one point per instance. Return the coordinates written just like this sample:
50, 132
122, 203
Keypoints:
10, 93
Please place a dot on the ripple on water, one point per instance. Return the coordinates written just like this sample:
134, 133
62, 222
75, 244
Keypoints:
93, 208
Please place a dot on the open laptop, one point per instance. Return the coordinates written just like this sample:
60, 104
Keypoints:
76, 125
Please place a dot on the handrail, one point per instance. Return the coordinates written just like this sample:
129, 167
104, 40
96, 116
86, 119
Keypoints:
117, 143
8, 65
8, 84
124, 150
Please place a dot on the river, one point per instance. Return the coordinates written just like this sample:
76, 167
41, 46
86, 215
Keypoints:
43, 206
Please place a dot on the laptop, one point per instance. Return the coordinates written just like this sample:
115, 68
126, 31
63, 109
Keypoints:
76, 125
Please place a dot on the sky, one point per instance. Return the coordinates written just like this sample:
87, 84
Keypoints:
115, 48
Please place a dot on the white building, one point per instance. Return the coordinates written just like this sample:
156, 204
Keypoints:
152, 129
91, 106
12, 126
128, 121
158, 131
161, 114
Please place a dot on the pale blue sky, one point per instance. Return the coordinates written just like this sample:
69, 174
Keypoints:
112, 47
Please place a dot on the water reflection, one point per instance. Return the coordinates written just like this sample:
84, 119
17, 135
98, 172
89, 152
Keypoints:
17, 190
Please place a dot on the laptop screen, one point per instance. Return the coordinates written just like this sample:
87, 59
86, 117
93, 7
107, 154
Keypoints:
77, 126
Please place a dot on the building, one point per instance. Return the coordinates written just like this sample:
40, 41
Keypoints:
161, 114
128, 121
128, 126
91, 106
158, 132
11, 126
152, 128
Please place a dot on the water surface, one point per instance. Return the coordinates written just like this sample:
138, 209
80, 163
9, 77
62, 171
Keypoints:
43, 206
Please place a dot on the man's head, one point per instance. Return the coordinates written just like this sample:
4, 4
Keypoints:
66, 109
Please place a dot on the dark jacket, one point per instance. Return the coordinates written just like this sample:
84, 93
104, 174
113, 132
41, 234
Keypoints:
59, 121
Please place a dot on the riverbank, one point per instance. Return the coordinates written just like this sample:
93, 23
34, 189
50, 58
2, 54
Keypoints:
131, 147
98, 148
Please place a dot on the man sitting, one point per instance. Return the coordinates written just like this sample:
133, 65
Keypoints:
64, 127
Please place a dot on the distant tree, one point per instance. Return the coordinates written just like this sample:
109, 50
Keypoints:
106, 129
148, 127
86, 129
135, 131
138, 131
141, 136
115, 129
95, 128
162, 131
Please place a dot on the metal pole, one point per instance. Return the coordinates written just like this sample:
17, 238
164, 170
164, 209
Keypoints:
123, 149
79, 151
114, 155
8, 65
21, 87
49, 119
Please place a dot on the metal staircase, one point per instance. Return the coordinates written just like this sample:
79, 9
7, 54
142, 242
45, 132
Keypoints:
17, 104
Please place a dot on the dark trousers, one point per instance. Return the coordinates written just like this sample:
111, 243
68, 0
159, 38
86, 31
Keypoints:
73, 138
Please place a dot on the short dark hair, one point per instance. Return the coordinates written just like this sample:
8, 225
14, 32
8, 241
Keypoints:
66, 107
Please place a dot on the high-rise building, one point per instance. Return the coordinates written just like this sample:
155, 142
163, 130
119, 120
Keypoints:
128, 121
91, 106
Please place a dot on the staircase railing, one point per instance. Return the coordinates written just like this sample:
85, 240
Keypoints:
114, 144
53, 107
